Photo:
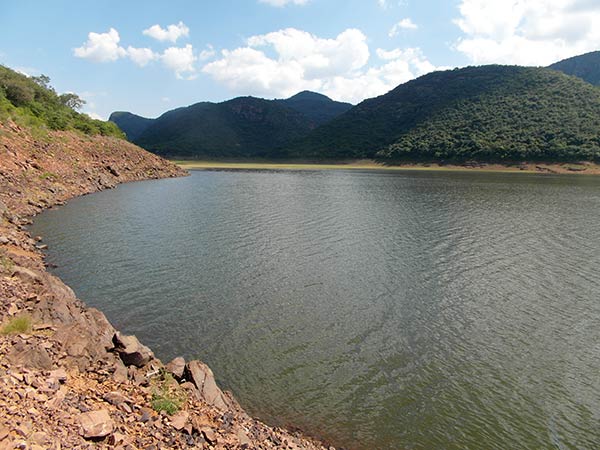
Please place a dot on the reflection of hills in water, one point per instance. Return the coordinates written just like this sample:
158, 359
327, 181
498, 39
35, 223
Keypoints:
430, 310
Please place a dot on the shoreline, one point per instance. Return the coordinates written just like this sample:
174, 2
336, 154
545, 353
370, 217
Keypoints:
68, 378
581, 168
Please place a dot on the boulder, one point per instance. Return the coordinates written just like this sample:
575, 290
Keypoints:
176, 367
201, 375
130, 350
116, 398
96, 424
30, 356
179, 420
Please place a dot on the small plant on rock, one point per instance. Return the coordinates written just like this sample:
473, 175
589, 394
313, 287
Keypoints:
17, 325
166, 394
6, 264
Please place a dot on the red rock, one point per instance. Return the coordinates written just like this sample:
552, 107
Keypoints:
131, 351
179, 420
96, 424
176, 367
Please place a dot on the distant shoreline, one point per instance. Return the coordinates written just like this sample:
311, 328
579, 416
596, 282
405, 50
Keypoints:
582, 168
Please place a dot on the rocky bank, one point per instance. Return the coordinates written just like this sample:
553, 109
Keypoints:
68, 379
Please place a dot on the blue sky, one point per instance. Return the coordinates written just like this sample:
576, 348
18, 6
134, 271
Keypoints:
149, 56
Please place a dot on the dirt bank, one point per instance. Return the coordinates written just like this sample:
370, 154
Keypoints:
582, 168
68, 379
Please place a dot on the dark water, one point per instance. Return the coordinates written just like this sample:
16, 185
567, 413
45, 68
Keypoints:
380, 310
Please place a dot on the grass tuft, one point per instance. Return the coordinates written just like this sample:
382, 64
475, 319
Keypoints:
17, 325
166, 394
6, 264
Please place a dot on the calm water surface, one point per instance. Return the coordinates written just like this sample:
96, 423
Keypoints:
379, 310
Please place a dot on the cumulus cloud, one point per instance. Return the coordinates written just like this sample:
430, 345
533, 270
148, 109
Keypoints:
171, 33
404, 24
280, 3
181, 60
94, 115
528, 32
104, 47
284, 62
101, 47
141, 56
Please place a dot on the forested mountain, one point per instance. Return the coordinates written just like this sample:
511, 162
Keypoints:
131, 124
586, 67
317, 107
242, 127
484, 113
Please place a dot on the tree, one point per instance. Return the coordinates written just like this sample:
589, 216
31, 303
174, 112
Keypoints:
43, 81
71, 100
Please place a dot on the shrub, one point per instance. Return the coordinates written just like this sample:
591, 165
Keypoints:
166, 394
17, 325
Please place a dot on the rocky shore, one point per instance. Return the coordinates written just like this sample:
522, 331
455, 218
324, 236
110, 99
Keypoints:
68, 379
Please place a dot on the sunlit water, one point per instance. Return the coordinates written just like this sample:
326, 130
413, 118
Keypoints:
377, 310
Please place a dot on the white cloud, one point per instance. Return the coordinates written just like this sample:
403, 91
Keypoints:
207, 53
171, 33
181, 60
141, 56
337, 67
404, 24
101, 47
94, 115
104, 47
528, 32
281, 3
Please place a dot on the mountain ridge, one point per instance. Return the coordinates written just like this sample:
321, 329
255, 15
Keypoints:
484, 113
586, 67
241, 127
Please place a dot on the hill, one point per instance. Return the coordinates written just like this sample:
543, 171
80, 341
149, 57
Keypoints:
131, 124
586, 67
242, 127
32, 102
488, 113
317, 107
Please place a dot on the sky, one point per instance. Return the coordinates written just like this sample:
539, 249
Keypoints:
148, 56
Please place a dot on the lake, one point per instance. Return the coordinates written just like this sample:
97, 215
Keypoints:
382, 310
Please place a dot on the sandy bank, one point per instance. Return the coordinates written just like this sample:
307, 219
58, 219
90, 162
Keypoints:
583, 168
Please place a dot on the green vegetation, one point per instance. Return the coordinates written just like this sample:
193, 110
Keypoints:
33, 103
48, 176
242, 127
586, 67
6, 264
17, 325
317, 107
488, 113
132, 125
166, 394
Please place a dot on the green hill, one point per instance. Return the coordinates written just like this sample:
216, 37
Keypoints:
317, 107
242, 127
131, 124
488, 113
586, 67
33, 103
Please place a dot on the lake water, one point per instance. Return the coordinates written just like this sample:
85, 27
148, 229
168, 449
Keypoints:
383, 310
